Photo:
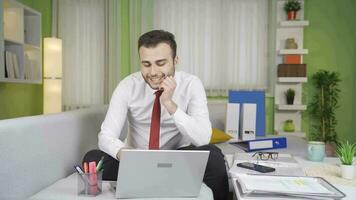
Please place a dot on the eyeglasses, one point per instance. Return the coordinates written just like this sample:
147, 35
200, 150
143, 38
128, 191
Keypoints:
266, 155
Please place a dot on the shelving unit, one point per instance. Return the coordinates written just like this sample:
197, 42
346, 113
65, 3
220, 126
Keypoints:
20, 43
289, 29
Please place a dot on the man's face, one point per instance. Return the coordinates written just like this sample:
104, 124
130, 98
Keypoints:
156, 64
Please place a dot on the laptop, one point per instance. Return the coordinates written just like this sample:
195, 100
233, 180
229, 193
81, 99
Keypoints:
160, 173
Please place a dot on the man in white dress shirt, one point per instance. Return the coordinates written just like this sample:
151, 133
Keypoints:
184, 117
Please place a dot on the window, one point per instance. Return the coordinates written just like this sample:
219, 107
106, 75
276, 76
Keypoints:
223, 42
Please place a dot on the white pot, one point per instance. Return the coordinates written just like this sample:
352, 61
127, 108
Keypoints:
348, 171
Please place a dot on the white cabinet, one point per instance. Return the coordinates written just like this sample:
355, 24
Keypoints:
21, 60
289, 29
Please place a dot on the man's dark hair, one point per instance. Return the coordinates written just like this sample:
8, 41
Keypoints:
153, 38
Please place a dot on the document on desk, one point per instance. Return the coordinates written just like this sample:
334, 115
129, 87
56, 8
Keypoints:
282, 184
292, 186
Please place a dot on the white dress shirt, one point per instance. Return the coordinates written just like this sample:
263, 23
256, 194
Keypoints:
133, 100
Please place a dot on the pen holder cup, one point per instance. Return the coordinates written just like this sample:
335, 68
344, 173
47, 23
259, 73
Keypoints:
90, 184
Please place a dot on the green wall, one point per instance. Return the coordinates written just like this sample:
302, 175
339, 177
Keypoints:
329, 38
331, 41
26, 99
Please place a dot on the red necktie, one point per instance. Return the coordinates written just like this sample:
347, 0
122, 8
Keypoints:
155, 122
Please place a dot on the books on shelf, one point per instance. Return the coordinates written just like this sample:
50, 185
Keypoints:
16, 65
9, 64
31, 73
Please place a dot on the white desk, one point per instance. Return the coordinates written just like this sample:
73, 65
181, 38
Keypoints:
348, 190
66, 189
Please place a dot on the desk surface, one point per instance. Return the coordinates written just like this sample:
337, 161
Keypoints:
348, 190
67, 189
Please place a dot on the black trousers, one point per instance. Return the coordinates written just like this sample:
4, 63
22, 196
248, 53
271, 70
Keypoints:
215, 176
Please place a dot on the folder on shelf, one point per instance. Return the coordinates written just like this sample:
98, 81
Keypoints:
232, 120
262, 143
255, 97
248, 122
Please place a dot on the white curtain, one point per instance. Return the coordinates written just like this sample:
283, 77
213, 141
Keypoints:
141, 14
89, 30
223, 42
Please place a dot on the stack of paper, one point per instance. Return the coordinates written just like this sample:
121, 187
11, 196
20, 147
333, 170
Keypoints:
249, 186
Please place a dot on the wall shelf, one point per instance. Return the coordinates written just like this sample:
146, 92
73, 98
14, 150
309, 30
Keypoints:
294, 107
20, 44
292, 79
284, 30
293, 51
295, 23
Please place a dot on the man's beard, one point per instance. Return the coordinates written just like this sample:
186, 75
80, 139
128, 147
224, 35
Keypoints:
160, 77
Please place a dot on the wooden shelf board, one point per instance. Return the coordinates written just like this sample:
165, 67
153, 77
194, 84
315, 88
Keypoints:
14, 80
292, 79
294, 23
291, 107
293, 51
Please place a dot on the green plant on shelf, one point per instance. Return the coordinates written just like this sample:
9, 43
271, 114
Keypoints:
290, 94
292, 5
346, 152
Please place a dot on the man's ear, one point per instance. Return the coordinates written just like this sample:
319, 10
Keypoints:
175, 61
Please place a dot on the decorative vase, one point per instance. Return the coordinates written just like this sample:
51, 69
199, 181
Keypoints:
290, 100
316, 151
291, 44
348, 171
292, 15
288, 126
330, 149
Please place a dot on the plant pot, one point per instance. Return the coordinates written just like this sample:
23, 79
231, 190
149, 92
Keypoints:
348, 171
290, 100
288, 126
330, 149
316, 151
292, 15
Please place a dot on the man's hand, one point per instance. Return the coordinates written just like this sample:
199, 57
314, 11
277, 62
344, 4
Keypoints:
118, 155
168, 85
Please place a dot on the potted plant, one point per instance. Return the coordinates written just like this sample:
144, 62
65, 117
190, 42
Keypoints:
290, 93
346, 152
289, 126
322, 109
292, 7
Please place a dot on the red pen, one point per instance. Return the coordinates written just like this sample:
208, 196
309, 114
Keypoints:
86, 168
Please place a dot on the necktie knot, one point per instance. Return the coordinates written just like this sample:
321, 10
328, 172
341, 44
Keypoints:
158, 93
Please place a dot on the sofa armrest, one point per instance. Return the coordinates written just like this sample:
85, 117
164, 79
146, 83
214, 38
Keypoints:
38, 150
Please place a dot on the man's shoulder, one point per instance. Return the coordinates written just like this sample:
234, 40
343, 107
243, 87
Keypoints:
133, 78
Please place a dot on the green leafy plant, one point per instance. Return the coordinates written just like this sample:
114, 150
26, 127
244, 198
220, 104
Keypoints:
346, 152
290, 93
292, 5
323, 105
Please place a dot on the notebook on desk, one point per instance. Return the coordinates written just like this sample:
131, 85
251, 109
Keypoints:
160, 173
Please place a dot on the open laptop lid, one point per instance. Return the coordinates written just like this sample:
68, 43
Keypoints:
160, 173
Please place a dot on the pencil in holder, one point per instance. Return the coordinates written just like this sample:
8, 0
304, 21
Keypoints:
90, 184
